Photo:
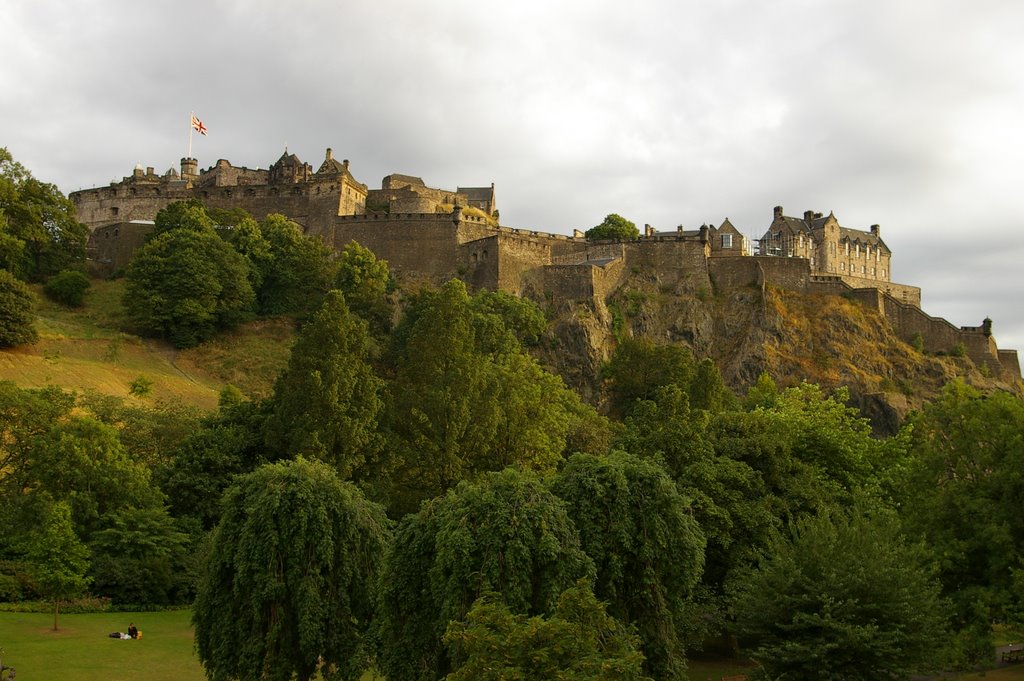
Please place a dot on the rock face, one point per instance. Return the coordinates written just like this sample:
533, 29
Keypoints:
825, 339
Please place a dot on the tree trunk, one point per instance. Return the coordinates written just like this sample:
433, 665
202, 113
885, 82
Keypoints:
55, 605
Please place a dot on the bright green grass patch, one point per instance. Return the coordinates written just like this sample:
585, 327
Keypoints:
82, 651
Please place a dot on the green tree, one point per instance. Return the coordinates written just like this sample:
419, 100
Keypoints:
136, 554
964, 488
579, 641
17, 312
506, 533
289, 583
39, 233
327, 402
190, 215
613, 226
186, 284
466, 398
840, 597
639, 367
645, 544
200, 468
59, 561
300, 271
367, 284
67, 288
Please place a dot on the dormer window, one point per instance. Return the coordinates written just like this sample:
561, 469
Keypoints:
727, 241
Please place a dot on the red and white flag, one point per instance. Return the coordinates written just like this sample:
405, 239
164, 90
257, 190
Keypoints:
198, 126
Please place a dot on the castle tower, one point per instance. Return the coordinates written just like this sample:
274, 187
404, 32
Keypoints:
189, 168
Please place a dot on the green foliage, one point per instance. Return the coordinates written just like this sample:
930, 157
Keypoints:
645, 543
466, 398
841, 597
580, 641
958, 350
17, 312
67, 288
917, 342
226, 444
140, 387
82, 462
186, 284
367, 284
963, 494
290, 579
59, 560
300, 269
506, 533
136, 556
521, 316
638, 367
190, 215
613, 226
39, 233
326, 404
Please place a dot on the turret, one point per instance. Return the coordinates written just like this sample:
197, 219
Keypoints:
189, 168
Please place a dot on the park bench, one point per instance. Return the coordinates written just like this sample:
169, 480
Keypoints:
1014, 653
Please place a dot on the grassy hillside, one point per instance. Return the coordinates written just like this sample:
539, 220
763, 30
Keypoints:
92, 349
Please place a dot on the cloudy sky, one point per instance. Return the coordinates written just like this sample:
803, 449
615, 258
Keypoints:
905, 113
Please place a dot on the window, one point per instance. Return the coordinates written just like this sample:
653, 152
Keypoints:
847, 248
842, 266
727, 241
863, 270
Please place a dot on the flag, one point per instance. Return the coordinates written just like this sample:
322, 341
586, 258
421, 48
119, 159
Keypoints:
198, 126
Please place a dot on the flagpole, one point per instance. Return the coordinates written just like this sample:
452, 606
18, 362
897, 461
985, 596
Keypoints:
191, 116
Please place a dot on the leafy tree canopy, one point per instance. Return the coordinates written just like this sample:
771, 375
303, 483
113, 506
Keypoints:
843, 597
59, 560
506, 533
326, 404
466, 398
39, 232
299, 272
67, 288
613, 226
579, 641
645, 544
964, 491
366, 283
186, 284
17, 312
289, 582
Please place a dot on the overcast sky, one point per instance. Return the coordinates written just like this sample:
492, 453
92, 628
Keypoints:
909, 114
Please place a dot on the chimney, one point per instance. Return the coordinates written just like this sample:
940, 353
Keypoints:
777, 212
808, 215
875, 230
648, 230
344, 164
149, 170
330, 154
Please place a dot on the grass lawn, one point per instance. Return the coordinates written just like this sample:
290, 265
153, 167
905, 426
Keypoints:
82, 651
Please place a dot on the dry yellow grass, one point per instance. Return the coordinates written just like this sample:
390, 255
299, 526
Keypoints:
89, 349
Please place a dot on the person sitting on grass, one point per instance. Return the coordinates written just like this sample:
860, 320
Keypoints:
133, 631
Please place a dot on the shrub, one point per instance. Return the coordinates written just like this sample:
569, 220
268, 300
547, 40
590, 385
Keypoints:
17, 312
67, 288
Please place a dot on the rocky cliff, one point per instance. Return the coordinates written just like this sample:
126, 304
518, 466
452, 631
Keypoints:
825, 339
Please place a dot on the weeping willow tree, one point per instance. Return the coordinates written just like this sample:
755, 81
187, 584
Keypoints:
288, 586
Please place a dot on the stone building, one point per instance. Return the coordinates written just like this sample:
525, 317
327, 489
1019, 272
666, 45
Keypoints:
433, 234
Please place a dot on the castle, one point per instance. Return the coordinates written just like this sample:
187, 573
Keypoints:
431, 234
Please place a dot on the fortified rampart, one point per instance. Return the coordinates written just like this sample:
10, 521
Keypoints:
406, 224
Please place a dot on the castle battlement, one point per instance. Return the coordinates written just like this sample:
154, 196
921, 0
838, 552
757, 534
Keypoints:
433, 234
